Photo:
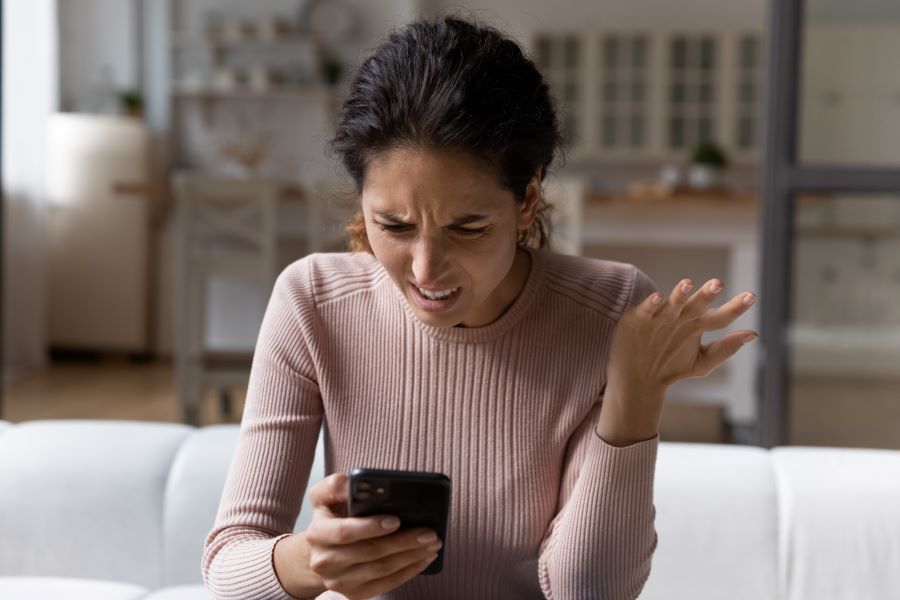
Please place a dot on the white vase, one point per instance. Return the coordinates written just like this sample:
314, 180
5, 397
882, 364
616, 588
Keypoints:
670, 175
704, 176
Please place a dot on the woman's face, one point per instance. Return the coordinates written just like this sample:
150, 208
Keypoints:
445, 230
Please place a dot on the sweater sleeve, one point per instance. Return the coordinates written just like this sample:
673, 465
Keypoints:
602, 539
270, 468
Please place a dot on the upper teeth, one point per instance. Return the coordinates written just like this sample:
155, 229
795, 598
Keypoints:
436, 295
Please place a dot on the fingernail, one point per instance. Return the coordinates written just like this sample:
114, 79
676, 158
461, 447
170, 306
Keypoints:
750, 337
715, 288
425, 538
686, 286
749, 299
390, 522
656, 299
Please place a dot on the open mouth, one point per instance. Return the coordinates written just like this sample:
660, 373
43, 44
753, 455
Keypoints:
441, 295
434, 301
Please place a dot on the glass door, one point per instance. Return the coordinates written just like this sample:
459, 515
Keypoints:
831, 250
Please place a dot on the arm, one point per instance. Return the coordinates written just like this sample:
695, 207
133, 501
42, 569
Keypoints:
601, 541
603, 537
655, 344
272, 460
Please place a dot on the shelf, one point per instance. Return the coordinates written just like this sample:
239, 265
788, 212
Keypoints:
287, 93
196, 42
847, 232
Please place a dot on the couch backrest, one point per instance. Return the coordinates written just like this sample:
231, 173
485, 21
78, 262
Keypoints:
195, 486
716, 509
133, 502
114, 500
85, 498
839, 510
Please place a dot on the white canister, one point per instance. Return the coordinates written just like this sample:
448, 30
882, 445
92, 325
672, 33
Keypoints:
704, 176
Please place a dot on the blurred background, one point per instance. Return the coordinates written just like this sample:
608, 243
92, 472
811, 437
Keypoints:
163, 160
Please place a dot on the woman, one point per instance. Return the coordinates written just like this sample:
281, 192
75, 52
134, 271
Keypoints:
450, 342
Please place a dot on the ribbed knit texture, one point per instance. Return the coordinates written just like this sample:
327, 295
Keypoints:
541, 505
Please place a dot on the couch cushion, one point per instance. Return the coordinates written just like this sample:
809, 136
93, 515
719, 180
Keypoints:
180, 592
840, 515
195, 486
85, 499
715, 518
60, 588
193, 494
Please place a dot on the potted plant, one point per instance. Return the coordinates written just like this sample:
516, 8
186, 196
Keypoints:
133, 103
331, 68
708, 161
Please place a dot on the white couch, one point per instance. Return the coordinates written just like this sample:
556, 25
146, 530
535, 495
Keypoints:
112, 510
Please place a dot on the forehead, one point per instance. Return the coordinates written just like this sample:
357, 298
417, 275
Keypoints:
432, 180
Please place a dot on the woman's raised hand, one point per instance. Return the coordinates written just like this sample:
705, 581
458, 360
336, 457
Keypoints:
657, 343
359, 557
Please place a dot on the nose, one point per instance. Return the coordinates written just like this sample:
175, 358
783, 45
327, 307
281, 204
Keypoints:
429, 261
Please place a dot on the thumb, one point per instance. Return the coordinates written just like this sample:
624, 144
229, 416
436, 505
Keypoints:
330, 494
717, 352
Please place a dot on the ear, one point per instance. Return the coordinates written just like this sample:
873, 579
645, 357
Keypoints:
528, 208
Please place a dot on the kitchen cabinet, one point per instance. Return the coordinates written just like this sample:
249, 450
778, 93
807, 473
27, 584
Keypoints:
651, 94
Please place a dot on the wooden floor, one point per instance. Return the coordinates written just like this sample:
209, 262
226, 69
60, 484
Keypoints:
118, 389
112, 389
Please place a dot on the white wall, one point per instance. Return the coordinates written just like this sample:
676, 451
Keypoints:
93, 35
30, 94
519, 17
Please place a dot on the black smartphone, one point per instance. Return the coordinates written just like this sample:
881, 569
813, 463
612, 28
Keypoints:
417, 498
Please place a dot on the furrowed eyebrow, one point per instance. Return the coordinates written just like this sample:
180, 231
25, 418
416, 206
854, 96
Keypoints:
395, 218
469, 219
389, 216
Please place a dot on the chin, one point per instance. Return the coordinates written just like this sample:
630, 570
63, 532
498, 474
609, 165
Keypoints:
438, 320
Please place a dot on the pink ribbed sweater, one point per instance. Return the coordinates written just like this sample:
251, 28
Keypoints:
541, 505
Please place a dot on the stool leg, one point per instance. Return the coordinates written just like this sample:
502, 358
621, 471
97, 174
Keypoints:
225, 401
191, 399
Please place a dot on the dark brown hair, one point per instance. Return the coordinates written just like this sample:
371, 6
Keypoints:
451, 84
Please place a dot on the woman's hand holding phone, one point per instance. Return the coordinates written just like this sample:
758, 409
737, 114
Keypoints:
359, 557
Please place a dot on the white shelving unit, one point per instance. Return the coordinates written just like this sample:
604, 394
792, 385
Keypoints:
241, 78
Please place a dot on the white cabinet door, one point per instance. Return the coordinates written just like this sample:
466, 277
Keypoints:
652, 94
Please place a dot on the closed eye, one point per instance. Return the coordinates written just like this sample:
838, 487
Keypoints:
470, 230
404, 227
393, 228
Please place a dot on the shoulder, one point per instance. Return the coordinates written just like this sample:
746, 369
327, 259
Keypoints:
321, 278
604, 286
